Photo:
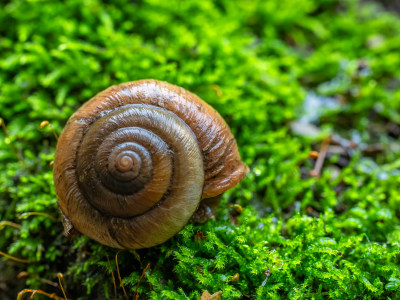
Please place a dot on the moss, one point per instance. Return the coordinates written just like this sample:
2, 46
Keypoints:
298, 237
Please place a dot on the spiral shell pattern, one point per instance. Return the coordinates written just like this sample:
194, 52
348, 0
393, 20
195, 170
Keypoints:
134, 162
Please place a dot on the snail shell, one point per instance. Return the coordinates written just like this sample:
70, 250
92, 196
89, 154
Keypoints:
134, 162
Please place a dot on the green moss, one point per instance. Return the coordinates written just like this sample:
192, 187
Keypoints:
256, 62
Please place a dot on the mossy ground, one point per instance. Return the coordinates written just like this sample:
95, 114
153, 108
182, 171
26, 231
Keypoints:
285, 75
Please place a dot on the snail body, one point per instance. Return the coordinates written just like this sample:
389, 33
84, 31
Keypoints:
134, 162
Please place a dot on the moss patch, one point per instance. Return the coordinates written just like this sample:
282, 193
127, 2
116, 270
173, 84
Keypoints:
285, 75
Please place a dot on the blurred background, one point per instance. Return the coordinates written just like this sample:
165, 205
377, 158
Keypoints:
311, 90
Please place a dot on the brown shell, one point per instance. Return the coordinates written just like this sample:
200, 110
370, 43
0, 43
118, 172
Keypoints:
169, 150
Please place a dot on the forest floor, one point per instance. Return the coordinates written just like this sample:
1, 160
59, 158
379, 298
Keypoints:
311, 91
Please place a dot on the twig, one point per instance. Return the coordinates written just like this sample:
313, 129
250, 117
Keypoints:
15, 258
47, 123
267, 274
26, 274
113, 278
36, 213
316, 172
140, 279
8, 223
119, 275
59, 276
25, 291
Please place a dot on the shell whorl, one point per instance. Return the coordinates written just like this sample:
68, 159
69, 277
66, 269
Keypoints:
133, 163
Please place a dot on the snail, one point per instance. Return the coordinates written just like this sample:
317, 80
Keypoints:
137, 161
